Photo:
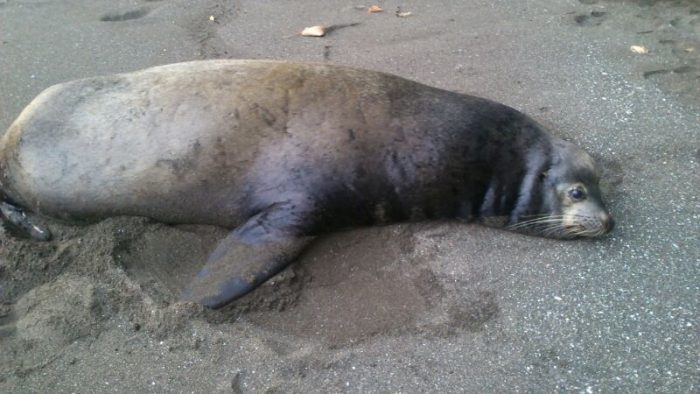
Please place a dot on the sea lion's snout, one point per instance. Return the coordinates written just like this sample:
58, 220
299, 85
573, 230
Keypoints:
587, 220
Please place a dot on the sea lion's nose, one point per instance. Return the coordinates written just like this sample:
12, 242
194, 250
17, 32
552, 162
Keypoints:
608, 222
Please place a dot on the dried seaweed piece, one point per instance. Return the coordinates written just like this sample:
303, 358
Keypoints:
639, 49
314, 31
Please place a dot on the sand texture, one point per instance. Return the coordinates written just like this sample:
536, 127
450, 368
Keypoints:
427, 307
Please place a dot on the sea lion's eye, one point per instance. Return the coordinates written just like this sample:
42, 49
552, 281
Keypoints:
577, 194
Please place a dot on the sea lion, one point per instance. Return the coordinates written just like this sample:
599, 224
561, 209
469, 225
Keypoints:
281, 152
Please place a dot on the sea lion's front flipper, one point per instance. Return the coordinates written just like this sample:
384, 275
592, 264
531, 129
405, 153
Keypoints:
247, 257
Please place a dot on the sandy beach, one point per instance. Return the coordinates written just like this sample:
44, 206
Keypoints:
425, 307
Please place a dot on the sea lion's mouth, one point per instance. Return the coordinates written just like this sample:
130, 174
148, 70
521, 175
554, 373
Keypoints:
587, 227
579, 230
576, 229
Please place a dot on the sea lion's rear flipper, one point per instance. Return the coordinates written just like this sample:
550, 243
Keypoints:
16, 222
251, 254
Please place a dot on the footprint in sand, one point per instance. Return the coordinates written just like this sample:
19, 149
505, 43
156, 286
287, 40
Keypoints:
44, 321
594, 18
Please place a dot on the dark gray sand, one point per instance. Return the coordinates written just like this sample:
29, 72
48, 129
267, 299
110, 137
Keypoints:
431, 307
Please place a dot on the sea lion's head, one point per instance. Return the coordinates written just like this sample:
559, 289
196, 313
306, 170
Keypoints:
571, 202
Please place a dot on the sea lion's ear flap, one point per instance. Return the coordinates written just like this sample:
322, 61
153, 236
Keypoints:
544, 174
247, 257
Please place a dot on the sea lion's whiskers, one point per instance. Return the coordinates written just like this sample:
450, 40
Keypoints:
537, 221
